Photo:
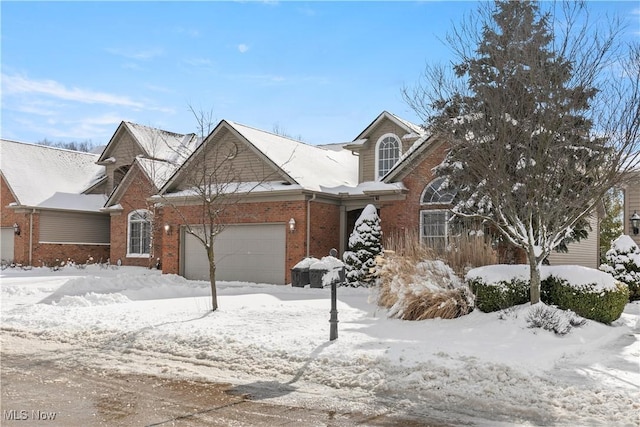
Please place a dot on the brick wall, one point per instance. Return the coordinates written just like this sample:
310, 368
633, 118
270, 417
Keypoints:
138, 190
403, 215
42, 254
324, 228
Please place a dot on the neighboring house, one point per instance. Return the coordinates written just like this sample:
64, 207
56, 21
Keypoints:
138, 160
50, 206
304, 199
631, 210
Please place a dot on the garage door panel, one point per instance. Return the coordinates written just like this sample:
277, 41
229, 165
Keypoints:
252, 253
6, 244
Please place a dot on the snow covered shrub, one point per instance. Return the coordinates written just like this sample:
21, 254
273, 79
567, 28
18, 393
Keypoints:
365, 244
414, 289
623, 263
552, 319
502, 289
602, 302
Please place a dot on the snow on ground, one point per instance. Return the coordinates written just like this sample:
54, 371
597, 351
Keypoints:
272, 341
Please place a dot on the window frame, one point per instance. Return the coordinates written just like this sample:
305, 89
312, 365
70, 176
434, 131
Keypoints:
436, 191
424, 236
146, 218
381, 140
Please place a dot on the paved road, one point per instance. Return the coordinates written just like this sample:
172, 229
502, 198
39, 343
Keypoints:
40, 393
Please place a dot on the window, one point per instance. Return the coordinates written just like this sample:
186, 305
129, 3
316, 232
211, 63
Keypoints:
387, 154
139, 234
434, 228
435, 194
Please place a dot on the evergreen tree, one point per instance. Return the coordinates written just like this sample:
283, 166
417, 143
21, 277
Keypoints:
365, 244
623, 263
611, 225
525, 155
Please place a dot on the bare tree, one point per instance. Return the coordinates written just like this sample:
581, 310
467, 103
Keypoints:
542, 112
214, 181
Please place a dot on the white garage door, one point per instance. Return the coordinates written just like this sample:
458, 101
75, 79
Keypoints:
248, 253
6, 244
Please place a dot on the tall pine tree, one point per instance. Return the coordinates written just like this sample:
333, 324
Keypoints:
525, 155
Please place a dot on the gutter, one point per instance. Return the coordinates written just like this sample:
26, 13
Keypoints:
309, 221
31, 237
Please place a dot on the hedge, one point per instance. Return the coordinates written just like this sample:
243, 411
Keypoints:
595, 301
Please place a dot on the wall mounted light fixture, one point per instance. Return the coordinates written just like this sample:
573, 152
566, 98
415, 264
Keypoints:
635, 222
167, 229
16, 229
292, 225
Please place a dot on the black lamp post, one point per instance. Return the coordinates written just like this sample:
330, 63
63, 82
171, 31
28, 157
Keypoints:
635, 222
333, 319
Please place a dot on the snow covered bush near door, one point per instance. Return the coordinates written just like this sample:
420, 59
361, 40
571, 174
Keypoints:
365, 244
623, 263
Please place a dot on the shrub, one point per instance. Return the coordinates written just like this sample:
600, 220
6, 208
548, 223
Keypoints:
623, 263
592, 301
414, 289
551, 319
497, 287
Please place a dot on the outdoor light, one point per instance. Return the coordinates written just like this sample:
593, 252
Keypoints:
16, 229
167, 229
292, 225
635, 222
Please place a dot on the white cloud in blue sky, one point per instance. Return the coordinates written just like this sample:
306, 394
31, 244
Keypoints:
322, 70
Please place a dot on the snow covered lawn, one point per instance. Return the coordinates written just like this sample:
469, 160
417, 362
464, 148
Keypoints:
482, 369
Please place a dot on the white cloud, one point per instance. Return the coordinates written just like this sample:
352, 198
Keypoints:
14, 84
140, 55
242, 48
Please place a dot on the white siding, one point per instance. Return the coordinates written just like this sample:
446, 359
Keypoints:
584, 252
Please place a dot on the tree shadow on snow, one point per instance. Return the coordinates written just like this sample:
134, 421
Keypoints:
259, 390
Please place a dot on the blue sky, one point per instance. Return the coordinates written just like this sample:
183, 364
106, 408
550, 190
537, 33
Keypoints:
322, 71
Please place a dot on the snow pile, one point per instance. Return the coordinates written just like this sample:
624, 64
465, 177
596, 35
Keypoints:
479, 369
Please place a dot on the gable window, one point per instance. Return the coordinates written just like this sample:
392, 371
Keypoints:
434, 228
388, 150
434, 193
139, 234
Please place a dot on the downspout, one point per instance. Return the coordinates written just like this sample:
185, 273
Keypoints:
31, 237
309, 222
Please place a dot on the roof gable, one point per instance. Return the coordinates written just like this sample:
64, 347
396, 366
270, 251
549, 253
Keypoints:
311, 167
153, 143
410, 128
36, 172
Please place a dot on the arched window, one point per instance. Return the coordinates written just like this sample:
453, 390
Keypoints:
388, 151
434, 193
139, 233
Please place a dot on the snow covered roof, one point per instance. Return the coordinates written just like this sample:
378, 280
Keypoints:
157, 143
74, 202
410, 128
36, 173
313, 167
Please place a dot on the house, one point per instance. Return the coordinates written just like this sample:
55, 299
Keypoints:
297, 199
50, 205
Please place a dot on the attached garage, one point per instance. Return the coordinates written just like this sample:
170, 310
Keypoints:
248, 253
6, 244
